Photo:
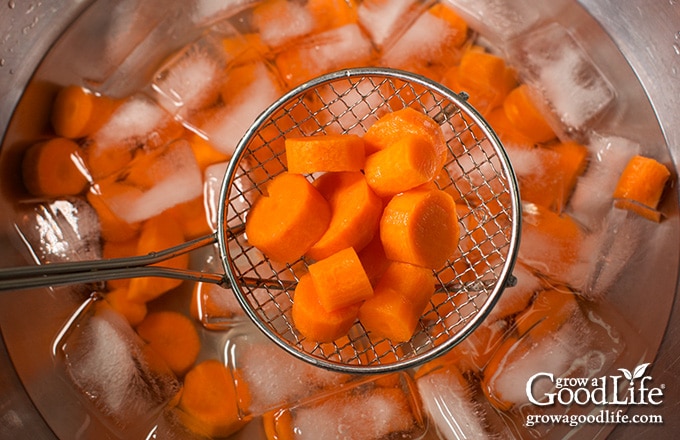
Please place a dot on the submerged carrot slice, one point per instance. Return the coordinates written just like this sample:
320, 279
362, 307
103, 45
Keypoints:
547, 313
392, 127
454, 20
525, 116
313, 320
133, 311
113, 228
482, 73
210, 402
330, 152
420, 227
408, 162
399, 300
158, 233
340, 280
54, 168
78, 112
286, 222
173, 337
355, 213
640, 187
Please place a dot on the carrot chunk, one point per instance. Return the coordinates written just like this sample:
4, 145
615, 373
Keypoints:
330, 152
524, 114
484, 74
641, 186
330, 14
113, 228
312, 319
420, 227
399, 300
373, 259
408, 162
286, 222
158, 233
133, 311
210, 402
54, 168
173, 337
393, 126
340, 280
355, 213
77, 112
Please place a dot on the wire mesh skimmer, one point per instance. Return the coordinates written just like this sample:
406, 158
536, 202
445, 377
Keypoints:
477, 172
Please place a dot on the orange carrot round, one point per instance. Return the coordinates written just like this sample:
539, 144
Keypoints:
408, 162
355, 213
399, 300
209, 404
340, 280
420, 226
312, 319
287, 221
393, 126
133, 311
77, 112
173, 337
525, 116
321, 153
641, 186
54, 168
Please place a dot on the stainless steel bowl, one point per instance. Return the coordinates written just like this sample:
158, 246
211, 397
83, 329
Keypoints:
636, 42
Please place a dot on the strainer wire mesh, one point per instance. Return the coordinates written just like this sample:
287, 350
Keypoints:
477, 173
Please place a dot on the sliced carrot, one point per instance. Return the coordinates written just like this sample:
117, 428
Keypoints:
328, 14
373, 259
509, 135
174, 337
454, 20
113, 228
521, 110
340, 280
420, 226
287, 221
408, 162
320, 153
641, 186
312, 319
158, 233
133, 311
278, 425
191, 217
547, 313
206, 154
119, 249
393, 126
54, 168
553, 182
78, 112
398, 302
355, 213
209, 403
480, 72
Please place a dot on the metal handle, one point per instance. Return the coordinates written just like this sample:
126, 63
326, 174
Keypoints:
55, 274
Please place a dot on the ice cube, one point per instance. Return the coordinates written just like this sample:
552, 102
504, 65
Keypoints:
241, 195
574, 88
60, 230
152, 183
516, 298
280, 21
273, 376
385, 21
114, 370
592, 197
206, 12
229, 123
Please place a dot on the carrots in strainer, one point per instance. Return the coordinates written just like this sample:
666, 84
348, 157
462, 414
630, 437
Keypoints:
331, 152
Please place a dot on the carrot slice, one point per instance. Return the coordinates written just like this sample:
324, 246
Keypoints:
330, 152
547, 313
330, 14
133, 311
399, 300
78, 112
158, 233
455, 21
173, 337
420, 227
355, 213
312, 319
524, 114
119, 249
191, 217
393, 126
482, 73
641, 186
408, 162
210, 402
286, 222
54, 168
340, 280
373, 259
113, 228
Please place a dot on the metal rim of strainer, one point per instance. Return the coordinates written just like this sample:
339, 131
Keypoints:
264, 289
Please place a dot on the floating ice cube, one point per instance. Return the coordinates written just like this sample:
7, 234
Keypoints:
153, 183
556, 64
279, 22
514, 299
241, 196
225, 128
206, 12
114, 371
274, 377
60, 230
385, 21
